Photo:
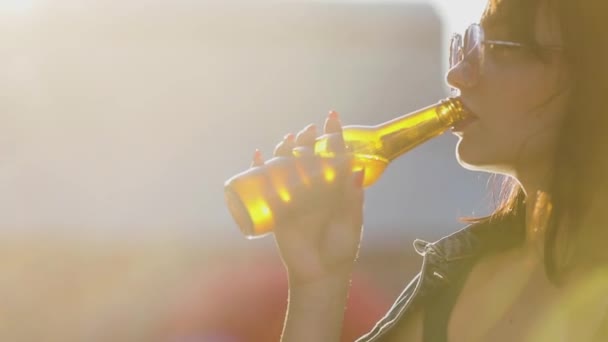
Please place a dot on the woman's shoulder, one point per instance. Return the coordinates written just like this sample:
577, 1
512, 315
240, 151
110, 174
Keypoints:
444, 261
475, 239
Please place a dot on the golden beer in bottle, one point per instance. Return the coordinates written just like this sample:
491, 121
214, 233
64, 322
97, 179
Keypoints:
260, 197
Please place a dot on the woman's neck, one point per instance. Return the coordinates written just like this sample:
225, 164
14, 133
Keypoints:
535, 184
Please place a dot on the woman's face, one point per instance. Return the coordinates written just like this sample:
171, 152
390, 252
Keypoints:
519, 101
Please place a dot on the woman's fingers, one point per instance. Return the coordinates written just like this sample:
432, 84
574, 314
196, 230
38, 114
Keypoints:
257, 160
307, 136
332, 123
284, 148
333, 130
304, 142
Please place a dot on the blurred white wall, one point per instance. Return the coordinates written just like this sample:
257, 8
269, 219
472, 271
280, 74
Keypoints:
124, 118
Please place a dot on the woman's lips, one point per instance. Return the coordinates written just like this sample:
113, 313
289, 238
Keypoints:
461, 125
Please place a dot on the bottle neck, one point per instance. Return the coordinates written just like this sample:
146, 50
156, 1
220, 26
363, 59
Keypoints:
402, 134
447, 112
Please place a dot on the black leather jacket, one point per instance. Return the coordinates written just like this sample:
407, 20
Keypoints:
445, 264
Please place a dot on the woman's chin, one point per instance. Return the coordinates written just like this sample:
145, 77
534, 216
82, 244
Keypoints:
481, 157
469, 156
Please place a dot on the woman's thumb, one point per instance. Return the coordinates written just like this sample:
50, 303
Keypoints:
352, 209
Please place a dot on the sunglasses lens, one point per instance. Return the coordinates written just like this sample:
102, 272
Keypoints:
469, 46
472, 40
456, 54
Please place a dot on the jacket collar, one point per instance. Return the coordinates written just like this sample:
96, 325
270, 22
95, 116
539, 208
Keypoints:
475, 239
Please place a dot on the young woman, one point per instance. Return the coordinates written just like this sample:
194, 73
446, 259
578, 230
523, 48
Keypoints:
534, 75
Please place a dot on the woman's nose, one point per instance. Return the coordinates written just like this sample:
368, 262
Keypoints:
463, 75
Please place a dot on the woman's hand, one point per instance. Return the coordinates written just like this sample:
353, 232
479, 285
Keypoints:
320, 241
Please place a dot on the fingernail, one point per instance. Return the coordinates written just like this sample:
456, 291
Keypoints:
358, 178
311, 127
290, 137
257, 156
333, 115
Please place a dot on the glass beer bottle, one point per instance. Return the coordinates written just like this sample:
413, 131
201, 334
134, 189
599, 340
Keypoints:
259, 198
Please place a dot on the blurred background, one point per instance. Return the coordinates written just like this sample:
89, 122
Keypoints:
121, 120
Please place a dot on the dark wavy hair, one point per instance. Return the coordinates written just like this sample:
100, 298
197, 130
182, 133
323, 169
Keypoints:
581, 157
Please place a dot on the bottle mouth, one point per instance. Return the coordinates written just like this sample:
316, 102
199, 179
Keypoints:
465, 111
462, 111
469, 114
239, 212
